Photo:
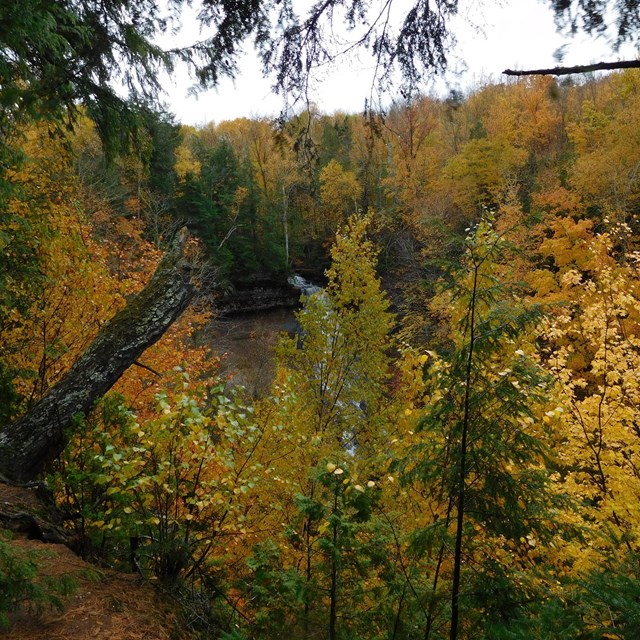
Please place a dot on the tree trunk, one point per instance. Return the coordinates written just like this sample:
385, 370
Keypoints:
333, 593
43, 432
462, 476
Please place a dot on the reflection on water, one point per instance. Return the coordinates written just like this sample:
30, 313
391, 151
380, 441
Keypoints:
245, 344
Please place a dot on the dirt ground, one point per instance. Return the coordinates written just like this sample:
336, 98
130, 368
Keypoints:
106, 605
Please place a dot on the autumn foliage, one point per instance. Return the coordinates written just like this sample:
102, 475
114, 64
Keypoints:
449, 445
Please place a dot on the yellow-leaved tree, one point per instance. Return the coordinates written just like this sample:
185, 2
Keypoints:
326, 451
339, 196
592, 347
49, 316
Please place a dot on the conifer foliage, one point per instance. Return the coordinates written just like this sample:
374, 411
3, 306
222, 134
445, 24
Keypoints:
448, 446
483, 448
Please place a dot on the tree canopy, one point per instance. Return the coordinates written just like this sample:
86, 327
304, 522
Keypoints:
56, 55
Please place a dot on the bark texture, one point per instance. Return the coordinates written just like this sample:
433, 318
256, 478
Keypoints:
42, 433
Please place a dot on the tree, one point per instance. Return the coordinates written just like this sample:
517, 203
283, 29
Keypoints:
57, 55
42, 433
327, 423
342, 366
605, 172
339, 195
220, 206
480, 172
592, 350
484, 450
340, 596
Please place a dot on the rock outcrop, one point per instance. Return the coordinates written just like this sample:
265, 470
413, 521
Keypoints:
260, 295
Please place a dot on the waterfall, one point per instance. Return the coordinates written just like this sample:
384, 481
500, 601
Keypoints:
303, 285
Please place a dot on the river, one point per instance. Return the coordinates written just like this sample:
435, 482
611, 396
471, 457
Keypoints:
245, 342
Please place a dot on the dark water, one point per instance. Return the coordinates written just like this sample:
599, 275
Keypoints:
245, 344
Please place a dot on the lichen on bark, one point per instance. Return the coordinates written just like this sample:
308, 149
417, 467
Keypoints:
41, 434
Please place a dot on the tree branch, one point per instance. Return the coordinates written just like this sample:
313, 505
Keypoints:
137, 363
583, 68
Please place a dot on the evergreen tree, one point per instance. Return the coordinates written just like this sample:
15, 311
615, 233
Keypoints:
483, 451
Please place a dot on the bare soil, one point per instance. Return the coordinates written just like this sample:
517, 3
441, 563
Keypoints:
107, 605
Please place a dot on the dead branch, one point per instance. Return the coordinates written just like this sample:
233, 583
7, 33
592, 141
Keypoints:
584, 68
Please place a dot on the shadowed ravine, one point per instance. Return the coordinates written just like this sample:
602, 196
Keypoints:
245, 342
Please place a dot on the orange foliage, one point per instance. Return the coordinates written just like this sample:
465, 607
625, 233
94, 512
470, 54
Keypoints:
79, 293
178, 347
92, 260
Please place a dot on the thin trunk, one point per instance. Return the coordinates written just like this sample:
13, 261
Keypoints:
457, 557
436, 577
334, 574
396, 622
307, 608
434, 589
308, 572
285, 223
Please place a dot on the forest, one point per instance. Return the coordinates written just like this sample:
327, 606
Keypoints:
446, 444
451, 439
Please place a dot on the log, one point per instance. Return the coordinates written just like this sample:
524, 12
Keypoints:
39, 436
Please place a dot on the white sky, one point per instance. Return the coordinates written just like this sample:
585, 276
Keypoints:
510, 34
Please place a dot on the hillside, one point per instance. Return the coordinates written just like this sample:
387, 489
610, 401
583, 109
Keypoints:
448, 444
105, 604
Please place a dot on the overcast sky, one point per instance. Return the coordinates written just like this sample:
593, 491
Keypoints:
491, 36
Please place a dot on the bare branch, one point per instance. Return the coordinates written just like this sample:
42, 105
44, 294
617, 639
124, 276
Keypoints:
137, 363
581, 68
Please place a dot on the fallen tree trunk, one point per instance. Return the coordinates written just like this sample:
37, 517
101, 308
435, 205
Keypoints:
42, 433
